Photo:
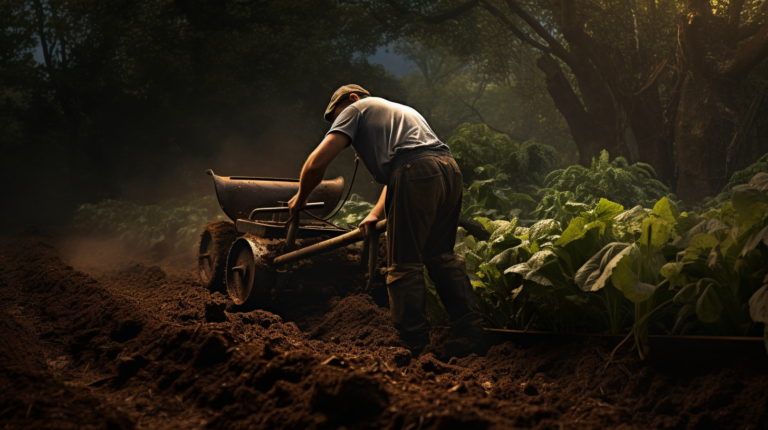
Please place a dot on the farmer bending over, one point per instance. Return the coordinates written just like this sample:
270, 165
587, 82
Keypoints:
421, 201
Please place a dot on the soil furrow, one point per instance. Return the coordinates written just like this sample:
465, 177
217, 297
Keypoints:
137, 343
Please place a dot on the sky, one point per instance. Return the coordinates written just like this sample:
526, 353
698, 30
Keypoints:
393, 63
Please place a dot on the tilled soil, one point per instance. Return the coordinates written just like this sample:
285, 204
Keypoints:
95, 337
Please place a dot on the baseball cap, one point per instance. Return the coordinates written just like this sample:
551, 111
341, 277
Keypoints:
339, 95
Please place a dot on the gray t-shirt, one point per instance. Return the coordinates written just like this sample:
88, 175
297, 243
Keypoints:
380, 129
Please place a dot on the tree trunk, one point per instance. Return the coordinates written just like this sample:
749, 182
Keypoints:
709, 112
590, 134
702, 134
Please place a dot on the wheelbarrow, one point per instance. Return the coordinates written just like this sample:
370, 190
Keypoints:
249, 256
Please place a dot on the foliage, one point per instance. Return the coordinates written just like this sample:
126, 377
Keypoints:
525, 165
605, 269
450, 90
131, 98
617, 181
173, 226
489, 197
739, 178
352, 213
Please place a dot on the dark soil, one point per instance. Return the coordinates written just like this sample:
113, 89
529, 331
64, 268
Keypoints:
95, 336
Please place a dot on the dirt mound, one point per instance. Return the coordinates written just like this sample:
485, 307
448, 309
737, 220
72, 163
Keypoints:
139, 345
357, 320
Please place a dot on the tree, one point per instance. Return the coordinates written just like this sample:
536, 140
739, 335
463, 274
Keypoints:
620, 72
136, 99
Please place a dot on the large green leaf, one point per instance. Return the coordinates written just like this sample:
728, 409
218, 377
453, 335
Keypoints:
656, 232
472, 261
588, 274
501, 227
488, 224
628, 282
705, 226
758, 304
606, 271
760, 181
709, 306
577, 229
626, 224
606, 210
521, 197
506, 258
572, 207
504, 241
574, 231
754, 241
698, 245
674, 273
542, 229
749, 204
667, 211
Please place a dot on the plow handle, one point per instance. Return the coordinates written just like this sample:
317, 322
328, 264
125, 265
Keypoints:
327, 245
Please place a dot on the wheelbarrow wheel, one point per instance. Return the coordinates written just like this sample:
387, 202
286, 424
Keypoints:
215, 240
249, 279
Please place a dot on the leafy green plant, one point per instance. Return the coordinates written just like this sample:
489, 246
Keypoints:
525, 164
722, 268
173, 225
741, 177
352, 213
633, 271
617, 181
489, 197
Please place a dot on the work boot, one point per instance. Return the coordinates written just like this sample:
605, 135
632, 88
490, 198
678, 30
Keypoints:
467, 337
408, 305
453, 286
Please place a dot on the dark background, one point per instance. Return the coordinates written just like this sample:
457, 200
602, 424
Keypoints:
133, 100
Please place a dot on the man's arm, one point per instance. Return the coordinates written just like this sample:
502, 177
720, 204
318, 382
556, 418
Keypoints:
376, 214
314, 168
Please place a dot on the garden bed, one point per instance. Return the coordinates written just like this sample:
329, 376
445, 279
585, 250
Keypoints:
112, 340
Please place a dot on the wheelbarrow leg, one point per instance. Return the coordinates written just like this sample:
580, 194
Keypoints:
290, 243
373, 255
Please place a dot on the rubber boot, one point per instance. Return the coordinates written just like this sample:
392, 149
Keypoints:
408, 305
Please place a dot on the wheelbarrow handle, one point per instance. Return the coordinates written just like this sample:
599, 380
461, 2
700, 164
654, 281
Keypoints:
315, 205
337, 242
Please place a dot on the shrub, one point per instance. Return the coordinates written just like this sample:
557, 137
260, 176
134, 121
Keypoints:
524, 164
617, 181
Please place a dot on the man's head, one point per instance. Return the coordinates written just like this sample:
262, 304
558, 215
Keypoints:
342, 98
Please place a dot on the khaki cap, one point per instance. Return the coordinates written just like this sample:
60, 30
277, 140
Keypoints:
339, 95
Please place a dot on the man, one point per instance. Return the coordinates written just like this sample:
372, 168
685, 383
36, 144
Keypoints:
421, 201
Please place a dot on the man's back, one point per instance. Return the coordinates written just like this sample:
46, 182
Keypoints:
380, 130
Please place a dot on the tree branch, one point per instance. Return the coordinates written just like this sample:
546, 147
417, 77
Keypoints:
752, 27
479, 116
435, 19
748, 55
40, 22
513, 28
535, 24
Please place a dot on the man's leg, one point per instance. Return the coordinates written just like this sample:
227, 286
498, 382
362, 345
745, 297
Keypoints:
446, 268
414, 195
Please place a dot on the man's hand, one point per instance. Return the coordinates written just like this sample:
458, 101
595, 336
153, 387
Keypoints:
365, 226
376, 214
294, 205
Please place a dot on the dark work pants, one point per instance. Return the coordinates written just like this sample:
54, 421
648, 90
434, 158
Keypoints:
423, 205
